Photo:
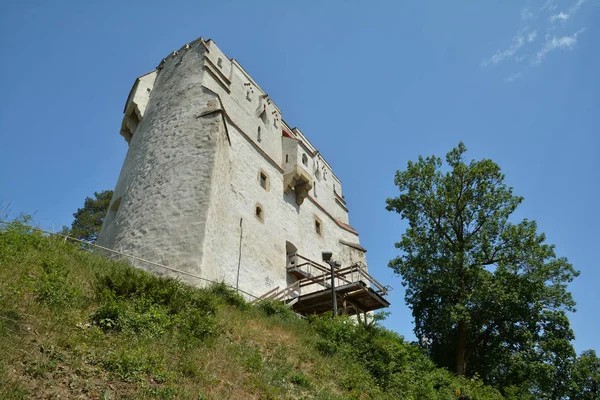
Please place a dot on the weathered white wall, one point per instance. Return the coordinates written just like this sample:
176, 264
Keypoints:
164, 184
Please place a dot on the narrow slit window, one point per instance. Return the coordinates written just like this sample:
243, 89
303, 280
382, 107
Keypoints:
318, 226
258, 212
304, 159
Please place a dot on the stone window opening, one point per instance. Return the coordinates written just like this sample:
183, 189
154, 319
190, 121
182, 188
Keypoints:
263, 180
305, 159
263, 117
318, 226
258, 136
287, 158
315, 188
220, 62
258, 212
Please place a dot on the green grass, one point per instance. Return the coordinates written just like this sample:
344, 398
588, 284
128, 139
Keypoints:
74, 324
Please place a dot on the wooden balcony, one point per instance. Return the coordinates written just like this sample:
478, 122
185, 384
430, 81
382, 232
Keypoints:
357, 291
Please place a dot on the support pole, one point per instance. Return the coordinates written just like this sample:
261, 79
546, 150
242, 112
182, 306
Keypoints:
237, 279
333, 295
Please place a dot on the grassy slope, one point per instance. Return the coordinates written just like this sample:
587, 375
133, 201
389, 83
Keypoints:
75, 325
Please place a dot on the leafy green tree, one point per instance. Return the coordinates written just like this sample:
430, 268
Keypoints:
89, 218
585, 377
489, 294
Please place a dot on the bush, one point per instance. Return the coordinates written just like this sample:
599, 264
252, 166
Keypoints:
400, 369
277, 309
139, 303
228, 295
54, 287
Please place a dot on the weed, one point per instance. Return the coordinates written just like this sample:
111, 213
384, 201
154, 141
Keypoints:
54, 287
299, 379
131, 365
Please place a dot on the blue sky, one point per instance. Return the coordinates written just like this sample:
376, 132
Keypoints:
372, 84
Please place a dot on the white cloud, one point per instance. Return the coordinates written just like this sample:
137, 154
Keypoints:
531, 37
535, 22
513, 77
577, 6
555, 43
560, 16
526, 14
550, 5
517, 43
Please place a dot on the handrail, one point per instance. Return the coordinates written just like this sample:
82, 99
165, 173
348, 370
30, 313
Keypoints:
132, 257
266, 295
346, 274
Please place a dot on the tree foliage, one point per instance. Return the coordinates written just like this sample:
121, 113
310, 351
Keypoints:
490, 294
89, 218
585, 377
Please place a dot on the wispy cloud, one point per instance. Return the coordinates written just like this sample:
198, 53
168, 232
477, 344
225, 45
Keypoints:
513, 77
542, 31
555, 43
561, 16
550, 6
518, 41
531, 36
526, 14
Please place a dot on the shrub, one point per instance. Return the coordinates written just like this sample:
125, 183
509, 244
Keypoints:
54, 287
228, 295
277, 309
140, 303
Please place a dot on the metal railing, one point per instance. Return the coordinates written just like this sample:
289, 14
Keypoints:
129, 257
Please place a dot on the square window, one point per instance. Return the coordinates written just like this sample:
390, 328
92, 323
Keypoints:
263, 179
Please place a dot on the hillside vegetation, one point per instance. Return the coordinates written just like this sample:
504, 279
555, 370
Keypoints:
76, 325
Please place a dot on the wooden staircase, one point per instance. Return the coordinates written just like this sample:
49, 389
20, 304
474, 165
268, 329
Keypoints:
356, 290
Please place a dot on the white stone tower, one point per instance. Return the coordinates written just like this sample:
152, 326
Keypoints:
216, 184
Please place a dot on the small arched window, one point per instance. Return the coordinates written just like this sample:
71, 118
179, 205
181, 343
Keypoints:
305, 159
258, 136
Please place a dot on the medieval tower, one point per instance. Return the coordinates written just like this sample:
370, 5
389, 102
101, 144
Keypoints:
217, 185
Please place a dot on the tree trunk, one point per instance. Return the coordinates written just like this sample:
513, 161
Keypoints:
461, 345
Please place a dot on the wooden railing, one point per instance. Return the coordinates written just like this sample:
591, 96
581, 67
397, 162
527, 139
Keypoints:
315, 273
318, 275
